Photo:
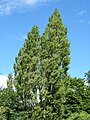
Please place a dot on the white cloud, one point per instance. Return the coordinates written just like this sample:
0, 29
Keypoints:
3, 81
20, 37
89, 22
86, 83
31, 2
7, 6
82, 12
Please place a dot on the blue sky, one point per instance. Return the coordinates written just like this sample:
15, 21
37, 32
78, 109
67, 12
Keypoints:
18, 16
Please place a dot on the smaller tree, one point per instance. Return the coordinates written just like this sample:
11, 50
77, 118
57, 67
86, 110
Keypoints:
10, 82
74, 96
79, 116
87, 75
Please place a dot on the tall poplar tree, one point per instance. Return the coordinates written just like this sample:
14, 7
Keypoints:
55, 59
26, 68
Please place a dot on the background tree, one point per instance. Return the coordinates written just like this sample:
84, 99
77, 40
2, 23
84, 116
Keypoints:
74, 96
9, 101
87, 75
86, 101
79, 116
10, 82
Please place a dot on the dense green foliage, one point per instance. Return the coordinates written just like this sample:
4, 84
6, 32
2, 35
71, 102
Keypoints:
26, 69
41, 88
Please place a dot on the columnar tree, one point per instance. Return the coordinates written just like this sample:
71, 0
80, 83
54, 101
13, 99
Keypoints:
26, 69
55, 61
